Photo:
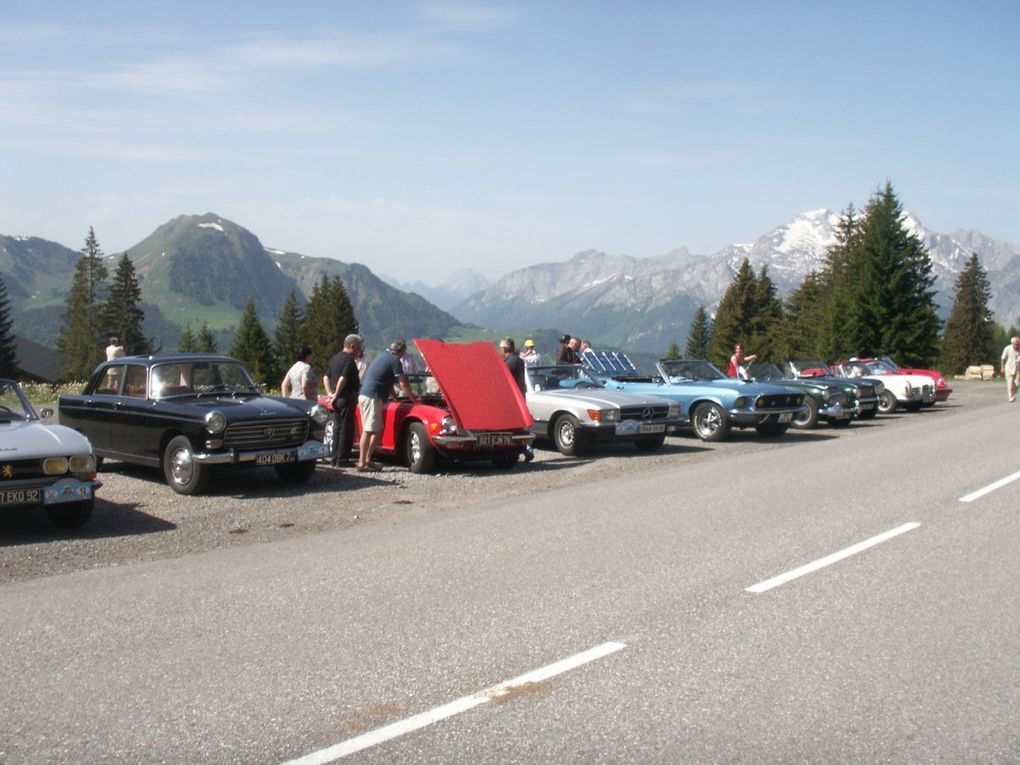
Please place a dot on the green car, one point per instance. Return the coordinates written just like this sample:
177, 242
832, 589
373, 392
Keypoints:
833, 402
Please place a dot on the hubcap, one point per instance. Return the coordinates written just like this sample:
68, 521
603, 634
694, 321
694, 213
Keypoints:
709, 420
415, 449
566, 433
181, 466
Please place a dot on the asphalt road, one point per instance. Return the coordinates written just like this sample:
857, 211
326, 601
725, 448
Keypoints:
382, 635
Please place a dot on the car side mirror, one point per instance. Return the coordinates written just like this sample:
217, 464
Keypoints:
46, 412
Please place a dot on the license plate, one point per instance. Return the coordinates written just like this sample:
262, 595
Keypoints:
495, 439
660, 428
786, 417
19, 496
279, 458
865, 407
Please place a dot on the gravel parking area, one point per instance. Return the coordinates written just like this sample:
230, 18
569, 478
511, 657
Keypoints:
138, 517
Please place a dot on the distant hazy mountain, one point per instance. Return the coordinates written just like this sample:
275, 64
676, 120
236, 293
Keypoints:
458, 286
646, 303
204, 268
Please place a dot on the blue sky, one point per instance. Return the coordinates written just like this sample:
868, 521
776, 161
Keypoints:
419, 137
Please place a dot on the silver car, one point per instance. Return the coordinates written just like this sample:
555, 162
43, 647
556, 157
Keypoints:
572, 409
43, 465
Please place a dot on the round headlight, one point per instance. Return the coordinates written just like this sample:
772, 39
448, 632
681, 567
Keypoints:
82, 463
449, 425
879, 387
215, 422
827, 394
54, 465
319, 414
741, 402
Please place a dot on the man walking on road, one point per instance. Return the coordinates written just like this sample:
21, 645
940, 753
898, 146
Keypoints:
1010, 366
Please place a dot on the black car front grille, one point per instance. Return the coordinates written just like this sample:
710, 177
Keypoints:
866, 391
779, 401
643, 412
15, 470
268, 434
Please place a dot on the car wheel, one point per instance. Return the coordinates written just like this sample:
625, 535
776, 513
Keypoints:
869, 414
184, 475
772, 429
419, 453
70, 515
505, 460
807, 417
568, 437
710, 422
652, 444
295, 472
886, 402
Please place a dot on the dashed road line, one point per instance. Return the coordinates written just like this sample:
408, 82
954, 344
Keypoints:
828, 560
990, 488
463, 704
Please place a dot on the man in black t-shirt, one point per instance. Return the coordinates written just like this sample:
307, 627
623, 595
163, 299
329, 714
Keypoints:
342, 386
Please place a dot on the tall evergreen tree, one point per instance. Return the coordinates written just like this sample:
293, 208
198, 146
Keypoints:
81, 333
205, 341
804, 332
766, 319
8, 352
970, 334
122, 314
287, 337
838, 289
734, 317
673, 352
894, 312
252, 347
329, 318
188, 342
699, 336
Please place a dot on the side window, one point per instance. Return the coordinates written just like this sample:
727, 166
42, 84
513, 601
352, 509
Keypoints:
134, 383
109, 383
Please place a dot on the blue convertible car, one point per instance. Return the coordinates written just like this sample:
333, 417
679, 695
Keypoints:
712, 402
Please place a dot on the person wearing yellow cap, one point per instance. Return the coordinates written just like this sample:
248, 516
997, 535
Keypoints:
530, 355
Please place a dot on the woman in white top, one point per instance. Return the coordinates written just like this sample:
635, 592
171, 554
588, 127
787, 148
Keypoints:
299, 381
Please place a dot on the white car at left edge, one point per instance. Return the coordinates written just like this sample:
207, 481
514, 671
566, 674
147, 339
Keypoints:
43, 465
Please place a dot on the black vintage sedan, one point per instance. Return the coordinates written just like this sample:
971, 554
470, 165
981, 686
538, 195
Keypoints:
189, 412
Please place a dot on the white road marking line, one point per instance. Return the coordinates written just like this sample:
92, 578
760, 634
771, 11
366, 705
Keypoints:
828, 560
990, 488
463, 704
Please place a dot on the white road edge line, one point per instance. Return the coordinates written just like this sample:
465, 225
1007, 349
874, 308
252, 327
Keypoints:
990, 488
463, 704
828, 560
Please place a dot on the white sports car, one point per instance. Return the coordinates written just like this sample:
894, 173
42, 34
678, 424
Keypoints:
572, 409
43, 465
909, 391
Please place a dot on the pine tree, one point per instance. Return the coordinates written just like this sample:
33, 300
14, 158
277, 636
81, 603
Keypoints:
205, 341
894, 312
673, 352
188, 343
287, 337
766, 320
252, 347
8, 352
699, 336
970, 334
329, 318
734, 317
837, 290
81, 333
122, 315
803, 334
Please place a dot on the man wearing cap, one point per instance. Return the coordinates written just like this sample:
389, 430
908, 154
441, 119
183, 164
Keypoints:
530, 356
342, 384
376, 388
566, 352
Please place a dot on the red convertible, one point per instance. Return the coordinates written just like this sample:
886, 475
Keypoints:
469, 408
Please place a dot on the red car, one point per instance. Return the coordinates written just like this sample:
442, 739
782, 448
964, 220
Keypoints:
942, 389
469, 408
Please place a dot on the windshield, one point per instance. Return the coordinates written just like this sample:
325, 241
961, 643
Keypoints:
765, 372
880, 368
679, 370
188, 378
14, 406
808, 368
565, 377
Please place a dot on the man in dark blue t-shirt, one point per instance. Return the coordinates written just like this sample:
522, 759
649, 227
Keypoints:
376, 388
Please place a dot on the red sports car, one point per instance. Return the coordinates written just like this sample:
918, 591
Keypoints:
469, 408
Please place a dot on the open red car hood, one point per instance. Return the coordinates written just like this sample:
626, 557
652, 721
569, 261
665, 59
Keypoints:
476, 384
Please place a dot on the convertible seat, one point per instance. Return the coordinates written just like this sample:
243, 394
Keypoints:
476, 384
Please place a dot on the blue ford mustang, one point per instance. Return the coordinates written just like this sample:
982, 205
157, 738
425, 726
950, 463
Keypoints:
710, 401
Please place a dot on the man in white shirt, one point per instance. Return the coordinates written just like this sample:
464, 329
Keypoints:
1010, 366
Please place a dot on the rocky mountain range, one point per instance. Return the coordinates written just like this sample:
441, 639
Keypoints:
645, 303
204, 268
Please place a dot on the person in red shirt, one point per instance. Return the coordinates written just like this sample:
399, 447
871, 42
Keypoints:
738, 362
